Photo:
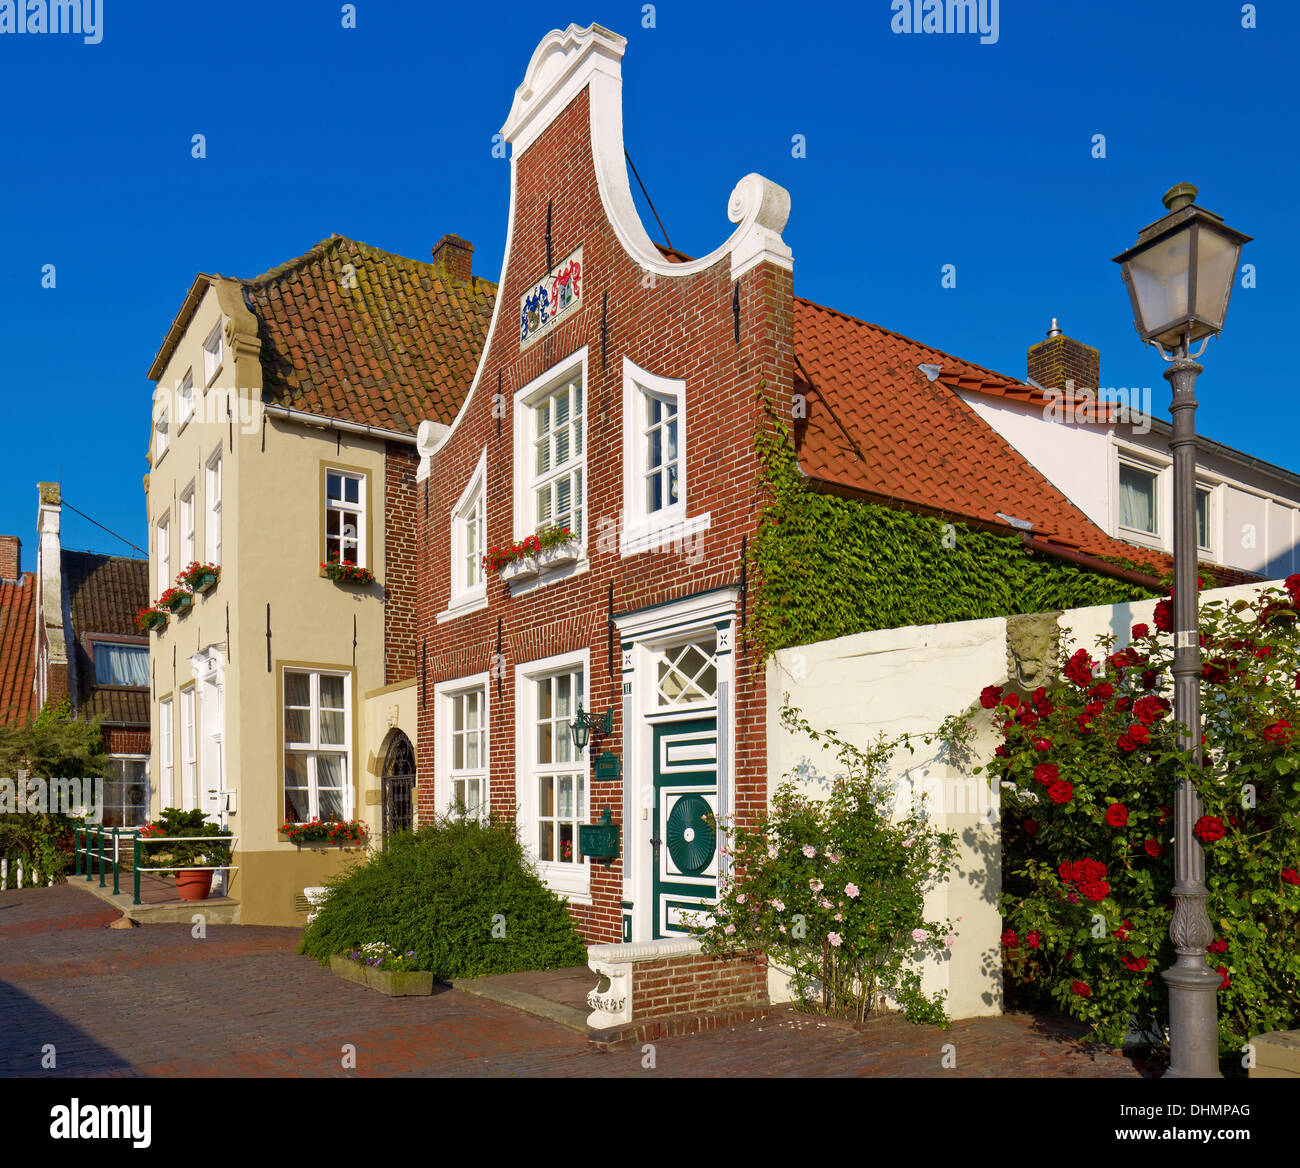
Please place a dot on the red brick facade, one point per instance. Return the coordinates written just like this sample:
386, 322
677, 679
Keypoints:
122, 740
680, 327
696, 985
400, 526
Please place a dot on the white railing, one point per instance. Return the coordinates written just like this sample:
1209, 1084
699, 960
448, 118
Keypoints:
31, 874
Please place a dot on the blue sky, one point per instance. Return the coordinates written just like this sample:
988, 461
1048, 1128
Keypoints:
921, 150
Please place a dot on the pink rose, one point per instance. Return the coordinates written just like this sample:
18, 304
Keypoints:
834, 939
918, 935
809, 851
850, 890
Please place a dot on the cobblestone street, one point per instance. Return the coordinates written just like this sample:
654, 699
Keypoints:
154, 1001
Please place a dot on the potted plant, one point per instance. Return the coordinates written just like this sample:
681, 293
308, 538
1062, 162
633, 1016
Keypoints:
383, 968
338, 832
198, 577
346, 572
191, 860
549, 547
176, 599
151, 617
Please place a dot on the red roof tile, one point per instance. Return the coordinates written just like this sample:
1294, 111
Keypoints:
880, 427
397, 348
17, 650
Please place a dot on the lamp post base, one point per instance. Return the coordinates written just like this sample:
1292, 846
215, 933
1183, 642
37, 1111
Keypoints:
1193, 1019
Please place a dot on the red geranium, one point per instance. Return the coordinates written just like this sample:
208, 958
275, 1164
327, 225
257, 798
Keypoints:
1117, 815
1209, 828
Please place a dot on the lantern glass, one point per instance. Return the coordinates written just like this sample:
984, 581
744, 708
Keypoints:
1158, 277
580, 727
1216, 269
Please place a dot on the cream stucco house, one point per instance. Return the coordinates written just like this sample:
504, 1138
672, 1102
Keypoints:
282, 437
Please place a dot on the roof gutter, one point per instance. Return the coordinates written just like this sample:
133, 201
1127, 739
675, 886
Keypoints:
319, 422
1093, 563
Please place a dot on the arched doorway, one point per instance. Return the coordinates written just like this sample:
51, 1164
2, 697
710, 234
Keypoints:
398, 783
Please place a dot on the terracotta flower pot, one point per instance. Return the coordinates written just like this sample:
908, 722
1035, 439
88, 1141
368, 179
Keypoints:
192, 884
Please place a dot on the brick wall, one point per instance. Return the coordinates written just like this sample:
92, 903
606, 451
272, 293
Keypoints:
126, 740
696, 984
400, 534
674, 327
11, 551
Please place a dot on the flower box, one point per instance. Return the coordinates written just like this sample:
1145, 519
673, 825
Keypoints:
411, 983
196, 577
347, 573
520, 569
151, 618
206, 583
560, 554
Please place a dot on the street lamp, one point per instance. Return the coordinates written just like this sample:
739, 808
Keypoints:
582, 726
1180, 275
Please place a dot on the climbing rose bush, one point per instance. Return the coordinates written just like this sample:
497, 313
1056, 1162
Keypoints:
832, 889
1088, 832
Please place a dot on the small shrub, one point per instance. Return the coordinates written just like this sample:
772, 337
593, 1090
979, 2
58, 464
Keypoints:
42, 842
457, 893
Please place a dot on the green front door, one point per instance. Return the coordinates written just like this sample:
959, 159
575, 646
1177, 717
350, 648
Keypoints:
685, 840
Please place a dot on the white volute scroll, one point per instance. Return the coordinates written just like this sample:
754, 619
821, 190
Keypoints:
429, 438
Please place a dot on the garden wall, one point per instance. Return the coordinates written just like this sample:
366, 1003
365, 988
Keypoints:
908, 681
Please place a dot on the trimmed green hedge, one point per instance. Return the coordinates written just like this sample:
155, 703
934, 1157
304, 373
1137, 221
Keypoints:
459, 893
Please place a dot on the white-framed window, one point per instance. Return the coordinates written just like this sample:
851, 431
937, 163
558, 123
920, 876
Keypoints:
1204, 519
166, 759
189, 752
126, 790
1139, 498
686, 675
317, 745
119, 664
185, 400
468, 541
161, 429
345, 517
163, 553
551, 771
212, 515
187, 525
550, 450
461, 755
654, 463
212, 354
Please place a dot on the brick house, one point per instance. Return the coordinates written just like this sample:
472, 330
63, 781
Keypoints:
282, 438
618, 397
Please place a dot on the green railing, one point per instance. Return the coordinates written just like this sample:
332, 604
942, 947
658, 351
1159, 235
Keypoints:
90, 841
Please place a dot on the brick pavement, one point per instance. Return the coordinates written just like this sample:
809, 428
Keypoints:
154, 1001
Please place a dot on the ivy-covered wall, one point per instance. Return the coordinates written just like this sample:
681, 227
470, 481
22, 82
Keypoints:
829, 567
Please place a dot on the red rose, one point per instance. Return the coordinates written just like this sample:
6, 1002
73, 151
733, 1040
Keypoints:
1124, 742
1122, 931
1154, 849
1096, 890
1139, 734
1223, 971
1042, 744
1079, 669
990, 695
1122, 704
1060, 791
1011, 701
1279, 731
1066, 872
1027, 717
1081, 990
1219, 946
1041, 704
1136, 964
1046, 772
1117, 815
1209, 828
1089, 870
1103, 692
1092, 709
1290, 876
1002, 752
1164, 616
1031, 827
1297, 676
1033, 939
1140, 632
1148, 678
1009, 938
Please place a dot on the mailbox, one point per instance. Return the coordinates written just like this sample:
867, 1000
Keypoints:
599, 841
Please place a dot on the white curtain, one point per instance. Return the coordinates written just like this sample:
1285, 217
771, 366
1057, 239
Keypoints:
1137, 499
121, 664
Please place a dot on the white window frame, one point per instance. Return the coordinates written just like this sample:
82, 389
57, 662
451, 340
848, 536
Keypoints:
213, 354
189, 749
344, 508
161, 433
644, 530
571, 880
573, 367
212, 509
446, 776
1209, 549
117, 643
148, 785
313, 748
467, 597
163, 552
185, 401
166, 757
186, 505
1157, 470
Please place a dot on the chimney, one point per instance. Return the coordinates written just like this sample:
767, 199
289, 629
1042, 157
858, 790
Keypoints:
11, 557
52, 666
1059, 359
455, 256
